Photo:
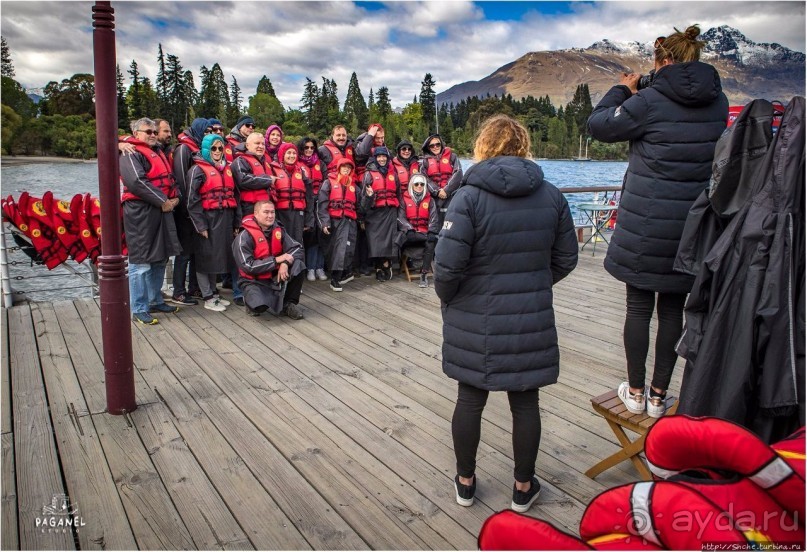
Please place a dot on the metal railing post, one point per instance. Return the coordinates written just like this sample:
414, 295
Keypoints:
8, 293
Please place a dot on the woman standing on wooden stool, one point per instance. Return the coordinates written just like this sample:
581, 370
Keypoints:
508, 236
673, 119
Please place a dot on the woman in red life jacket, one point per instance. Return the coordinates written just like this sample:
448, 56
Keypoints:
212, 207
314, 255
336, 215
443, 169
380, 198
293, 194
273, 138
406, 163
253, 174
417, 219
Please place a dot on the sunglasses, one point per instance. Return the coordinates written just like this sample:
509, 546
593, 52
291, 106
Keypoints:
249, 125
306, 148
219, 148
418, 185
208, 130
406, 148
434, 145
148, 131
217, 129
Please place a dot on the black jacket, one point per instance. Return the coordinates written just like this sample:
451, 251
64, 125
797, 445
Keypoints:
745, 330
672, 126
508, 237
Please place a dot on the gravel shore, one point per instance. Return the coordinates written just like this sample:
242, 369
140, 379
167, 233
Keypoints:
14, 160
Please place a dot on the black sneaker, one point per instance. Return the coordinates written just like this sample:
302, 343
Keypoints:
335, 286
239, 301
196, 293
183, 300
251, 312
293, 311
380, 275
388, 271
465, 493
162, 307
144, 318
522, 501
343, 281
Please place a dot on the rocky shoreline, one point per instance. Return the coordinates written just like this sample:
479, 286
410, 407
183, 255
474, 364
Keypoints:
14, 160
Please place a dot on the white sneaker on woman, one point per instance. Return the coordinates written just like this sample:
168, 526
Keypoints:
214, 305
321, 274
310, 276
634, 402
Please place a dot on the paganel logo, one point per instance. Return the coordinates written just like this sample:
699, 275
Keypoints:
59, 516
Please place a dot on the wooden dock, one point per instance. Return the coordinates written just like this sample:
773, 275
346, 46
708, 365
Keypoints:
333, 432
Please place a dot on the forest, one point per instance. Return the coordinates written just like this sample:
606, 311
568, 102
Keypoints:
62, 123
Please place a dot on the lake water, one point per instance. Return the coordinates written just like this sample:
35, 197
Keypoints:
67, 179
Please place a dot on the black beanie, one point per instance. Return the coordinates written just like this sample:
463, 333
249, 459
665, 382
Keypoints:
245, 120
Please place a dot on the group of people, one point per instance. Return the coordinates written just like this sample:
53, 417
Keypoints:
338, 208
506, 236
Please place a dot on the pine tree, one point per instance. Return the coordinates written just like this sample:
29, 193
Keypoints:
123, 109
371, 100
135, 92
355, 107
161, 84
265, 87
427, 100
383, 103
214, 94
309, 103
7, 67
177, 102
234, 112
191, 97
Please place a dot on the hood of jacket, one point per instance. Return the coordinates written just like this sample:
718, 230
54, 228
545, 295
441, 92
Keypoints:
692, 84
425, 148
196, 131
505, 176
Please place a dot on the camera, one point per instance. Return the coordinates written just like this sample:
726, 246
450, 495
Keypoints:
646, 81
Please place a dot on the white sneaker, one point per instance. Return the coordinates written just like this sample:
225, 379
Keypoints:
214, 305
310, 276
221, 301
321, 274
656, 407
635, 403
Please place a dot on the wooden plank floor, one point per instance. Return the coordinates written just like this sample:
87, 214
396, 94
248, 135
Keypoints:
333, 432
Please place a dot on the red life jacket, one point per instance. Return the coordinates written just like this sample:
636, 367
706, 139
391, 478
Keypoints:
159, 172
260, 167
418, 213
384, 189
440, 169
290, 191
263, 248
337, 155
404, 172
218, 190
342, 201
316, 177
230, 153
183, 138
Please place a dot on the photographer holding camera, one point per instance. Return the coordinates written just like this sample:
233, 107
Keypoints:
673, 119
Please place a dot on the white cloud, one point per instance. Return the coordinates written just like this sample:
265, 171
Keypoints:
394, 46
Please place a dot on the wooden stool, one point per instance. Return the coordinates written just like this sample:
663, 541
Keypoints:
610, 406
404, 268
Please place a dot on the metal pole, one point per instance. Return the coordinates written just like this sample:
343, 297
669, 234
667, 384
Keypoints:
8, 295
116, 326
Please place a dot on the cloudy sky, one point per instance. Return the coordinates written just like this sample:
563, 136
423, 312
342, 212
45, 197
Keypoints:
389, 44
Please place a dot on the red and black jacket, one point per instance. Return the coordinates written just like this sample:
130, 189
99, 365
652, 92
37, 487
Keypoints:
264, 248
158, 174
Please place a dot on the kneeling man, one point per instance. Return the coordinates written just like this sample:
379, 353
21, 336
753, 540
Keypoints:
270, 264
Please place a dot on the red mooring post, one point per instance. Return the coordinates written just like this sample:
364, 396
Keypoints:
116, 327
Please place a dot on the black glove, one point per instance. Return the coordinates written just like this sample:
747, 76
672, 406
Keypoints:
431, 238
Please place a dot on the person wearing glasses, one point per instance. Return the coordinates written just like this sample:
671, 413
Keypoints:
237, 138
418, 223
190, 141
508, 238
380, 198
213, 210
405, 163
149, 198
443, 169
216, 127
673, 125
314, 255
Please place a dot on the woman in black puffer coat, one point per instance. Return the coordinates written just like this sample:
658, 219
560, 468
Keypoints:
673, 125
508, 237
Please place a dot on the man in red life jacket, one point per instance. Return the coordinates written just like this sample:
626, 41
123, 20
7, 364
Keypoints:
149, 197
164, 139
236, 140
363, 148
270, 264
336, 148
418, 223
253, 174
443, 169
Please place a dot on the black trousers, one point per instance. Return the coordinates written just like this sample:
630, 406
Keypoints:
670, 309
466, 428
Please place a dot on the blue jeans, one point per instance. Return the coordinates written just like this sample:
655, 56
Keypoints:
236, 290
145, 283
314, 257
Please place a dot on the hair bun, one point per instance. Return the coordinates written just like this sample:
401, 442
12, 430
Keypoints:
692, 32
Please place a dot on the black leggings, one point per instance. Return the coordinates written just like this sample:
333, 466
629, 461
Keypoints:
637, 334
467, 423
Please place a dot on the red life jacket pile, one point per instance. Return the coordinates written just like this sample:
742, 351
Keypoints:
716, 484
58, 230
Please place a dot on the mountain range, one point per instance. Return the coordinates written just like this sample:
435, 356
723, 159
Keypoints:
747, 70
